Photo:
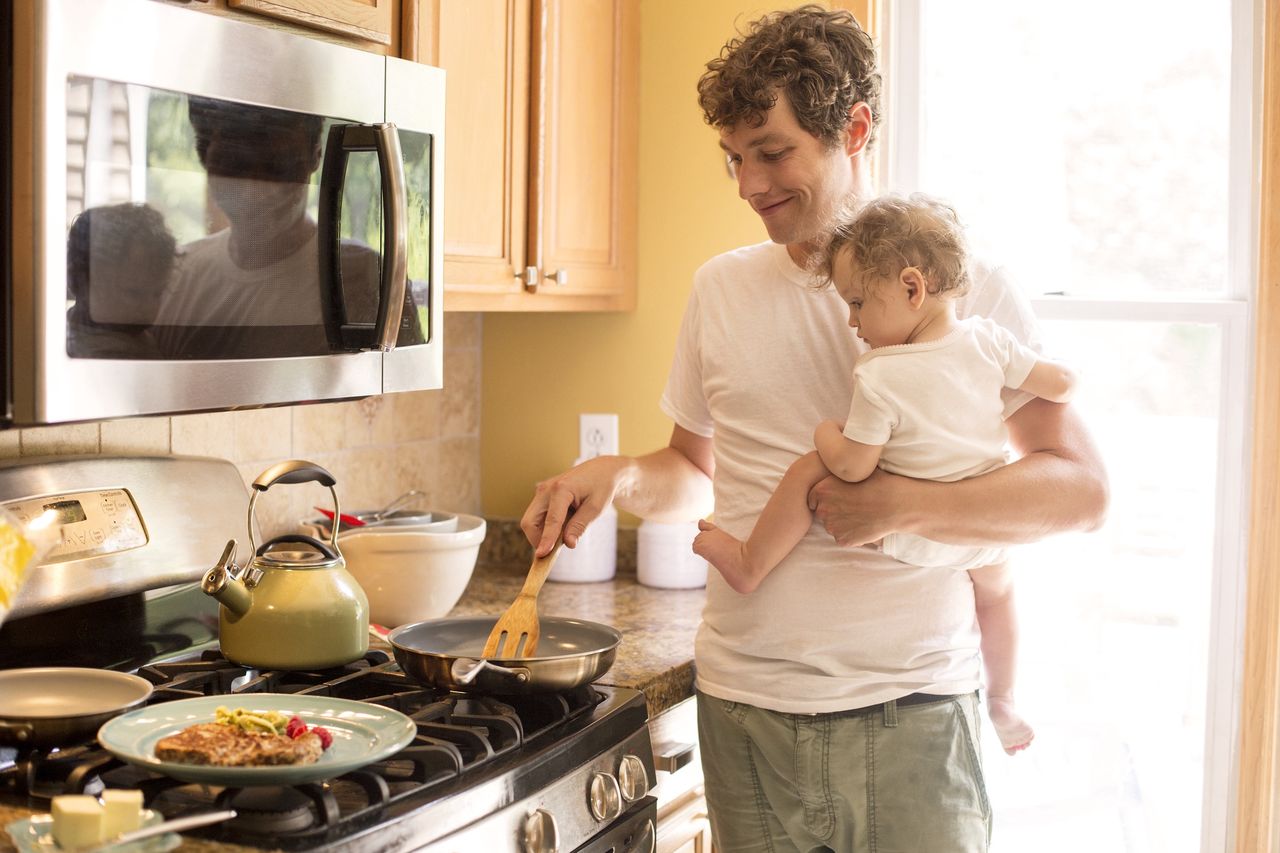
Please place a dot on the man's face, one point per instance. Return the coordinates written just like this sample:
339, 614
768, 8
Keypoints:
788, 176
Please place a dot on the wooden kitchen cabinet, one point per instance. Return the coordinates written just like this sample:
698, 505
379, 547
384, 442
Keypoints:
372, 25
683, 826
370, 20
541, 154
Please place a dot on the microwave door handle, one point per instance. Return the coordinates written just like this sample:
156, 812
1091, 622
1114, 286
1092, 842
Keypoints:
332, 175
395, 244
385, 142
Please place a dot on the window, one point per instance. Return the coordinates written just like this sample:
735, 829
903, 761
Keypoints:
1103, 152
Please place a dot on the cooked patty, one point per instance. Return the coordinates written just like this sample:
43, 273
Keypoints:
229, 746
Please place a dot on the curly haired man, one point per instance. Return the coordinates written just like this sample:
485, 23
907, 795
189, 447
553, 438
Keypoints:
837, 703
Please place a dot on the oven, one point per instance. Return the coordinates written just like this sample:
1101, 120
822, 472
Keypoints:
198, 213
568, 771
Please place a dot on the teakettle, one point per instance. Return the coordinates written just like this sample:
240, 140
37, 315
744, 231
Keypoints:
289, 609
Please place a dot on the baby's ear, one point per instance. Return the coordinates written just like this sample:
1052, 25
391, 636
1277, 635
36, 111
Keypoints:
917, 288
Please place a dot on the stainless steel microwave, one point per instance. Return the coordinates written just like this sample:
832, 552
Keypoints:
199, 213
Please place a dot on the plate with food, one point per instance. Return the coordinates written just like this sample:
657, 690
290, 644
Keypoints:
257, 738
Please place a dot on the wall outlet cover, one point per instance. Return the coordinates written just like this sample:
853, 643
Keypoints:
597, 435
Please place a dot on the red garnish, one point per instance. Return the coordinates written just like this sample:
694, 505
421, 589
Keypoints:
326, 739
295, 728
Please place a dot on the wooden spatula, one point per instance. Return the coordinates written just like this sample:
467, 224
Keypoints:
520, 621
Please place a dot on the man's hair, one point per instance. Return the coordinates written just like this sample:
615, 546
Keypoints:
822, 59
893, 232
256, 142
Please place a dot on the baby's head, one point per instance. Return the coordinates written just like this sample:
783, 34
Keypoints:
914, 244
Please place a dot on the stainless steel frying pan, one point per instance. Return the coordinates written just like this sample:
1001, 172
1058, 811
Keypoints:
56, 706
446, 653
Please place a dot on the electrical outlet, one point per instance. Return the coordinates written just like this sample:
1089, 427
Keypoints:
597, 435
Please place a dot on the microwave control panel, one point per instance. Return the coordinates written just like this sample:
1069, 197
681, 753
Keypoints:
101, 521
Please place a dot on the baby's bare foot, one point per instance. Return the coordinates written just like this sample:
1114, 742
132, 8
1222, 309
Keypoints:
1014, 732
722, 551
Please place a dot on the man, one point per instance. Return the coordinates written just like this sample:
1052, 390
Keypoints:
837, 703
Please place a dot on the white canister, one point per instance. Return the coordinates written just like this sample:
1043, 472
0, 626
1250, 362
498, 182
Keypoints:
665, 558
595, 557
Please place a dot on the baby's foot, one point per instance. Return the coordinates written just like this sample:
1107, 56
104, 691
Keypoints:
722, 551
1014, 732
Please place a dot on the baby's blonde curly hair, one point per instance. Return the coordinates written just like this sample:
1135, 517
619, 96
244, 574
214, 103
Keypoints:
893, 232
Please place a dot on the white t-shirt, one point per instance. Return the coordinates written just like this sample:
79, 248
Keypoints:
245, 307
762, 357
936, 406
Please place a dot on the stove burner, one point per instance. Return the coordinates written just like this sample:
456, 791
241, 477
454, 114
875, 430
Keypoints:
461, 741
263, 811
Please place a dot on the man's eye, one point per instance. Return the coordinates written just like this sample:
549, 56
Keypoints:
772, 156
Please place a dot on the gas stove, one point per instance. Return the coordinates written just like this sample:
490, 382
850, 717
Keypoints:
564, 771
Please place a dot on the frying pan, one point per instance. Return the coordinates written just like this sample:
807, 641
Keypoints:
61, 706
447, 653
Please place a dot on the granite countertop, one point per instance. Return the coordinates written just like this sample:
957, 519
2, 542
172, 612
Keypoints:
657, 625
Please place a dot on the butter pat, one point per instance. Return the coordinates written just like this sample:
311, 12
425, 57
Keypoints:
121, 811
77, 820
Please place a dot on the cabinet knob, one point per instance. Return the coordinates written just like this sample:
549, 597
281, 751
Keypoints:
529, 278
560, 276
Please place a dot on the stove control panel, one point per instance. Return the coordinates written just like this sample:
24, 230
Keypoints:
101, 521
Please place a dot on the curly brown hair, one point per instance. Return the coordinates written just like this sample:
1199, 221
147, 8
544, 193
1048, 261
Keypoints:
893, 232
822, 59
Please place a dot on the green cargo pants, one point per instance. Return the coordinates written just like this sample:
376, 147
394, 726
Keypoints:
885, 779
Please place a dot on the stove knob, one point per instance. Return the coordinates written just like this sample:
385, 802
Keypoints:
540, 833
632, 778
606, 798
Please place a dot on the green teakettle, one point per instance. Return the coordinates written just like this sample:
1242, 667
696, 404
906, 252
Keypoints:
295, 608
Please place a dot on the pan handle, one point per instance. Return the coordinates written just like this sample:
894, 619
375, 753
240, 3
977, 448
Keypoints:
465, 670
15, 732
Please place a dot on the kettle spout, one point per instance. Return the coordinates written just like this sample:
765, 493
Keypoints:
220, 583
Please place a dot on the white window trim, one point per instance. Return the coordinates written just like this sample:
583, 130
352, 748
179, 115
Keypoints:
898, 167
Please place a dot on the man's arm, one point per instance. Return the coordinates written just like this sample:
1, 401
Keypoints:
671, 484
1058, 484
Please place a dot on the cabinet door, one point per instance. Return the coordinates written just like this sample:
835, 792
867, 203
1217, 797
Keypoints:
484, 49
365, 19
584, 159
483, 46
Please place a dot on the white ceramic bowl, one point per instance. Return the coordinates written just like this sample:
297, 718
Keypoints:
412, 575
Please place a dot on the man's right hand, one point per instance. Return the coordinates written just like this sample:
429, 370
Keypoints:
577, 496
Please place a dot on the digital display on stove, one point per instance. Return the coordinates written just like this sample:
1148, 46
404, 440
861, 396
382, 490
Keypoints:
66, 512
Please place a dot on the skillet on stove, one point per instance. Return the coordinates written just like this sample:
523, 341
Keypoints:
55, 706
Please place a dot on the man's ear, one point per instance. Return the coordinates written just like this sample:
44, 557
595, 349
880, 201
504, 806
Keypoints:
916, 287
858, 130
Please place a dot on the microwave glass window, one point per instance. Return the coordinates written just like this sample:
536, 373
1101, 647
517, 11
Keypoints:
415, 148
193, 230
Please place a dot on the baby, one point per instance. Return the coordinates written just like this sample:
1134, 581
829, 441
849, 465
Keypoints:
926, 404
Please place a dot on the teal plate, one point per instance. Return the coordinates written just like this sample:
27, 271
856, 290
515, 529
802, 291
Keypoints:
35, 835
362, 734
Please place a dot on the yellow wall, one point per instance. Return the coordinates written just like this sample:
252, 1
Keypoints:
541, 370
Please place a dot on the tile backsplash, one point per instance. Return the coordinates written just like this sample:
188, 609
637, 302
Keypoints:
376, 448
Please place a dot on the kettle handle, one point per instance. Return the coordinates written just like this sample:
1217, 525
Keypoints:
295, 471
300, 539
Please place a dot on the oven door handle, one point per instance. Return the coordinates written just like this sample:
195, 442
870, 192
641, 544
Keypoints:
343, 140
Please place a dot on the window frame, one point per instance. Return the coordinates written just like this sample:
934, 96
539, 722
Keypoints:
1242, 714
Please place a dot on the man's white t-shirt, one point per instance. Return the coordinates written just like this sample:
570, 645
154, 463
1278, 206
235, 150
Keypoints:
762, 357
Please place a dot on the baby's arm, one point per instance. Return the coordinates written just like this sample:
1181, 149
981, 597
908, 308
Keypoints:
1051, 380
851, 461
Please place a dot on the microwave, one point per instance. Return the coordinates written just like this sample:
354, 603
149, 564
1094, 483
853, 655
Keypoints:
202, 214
